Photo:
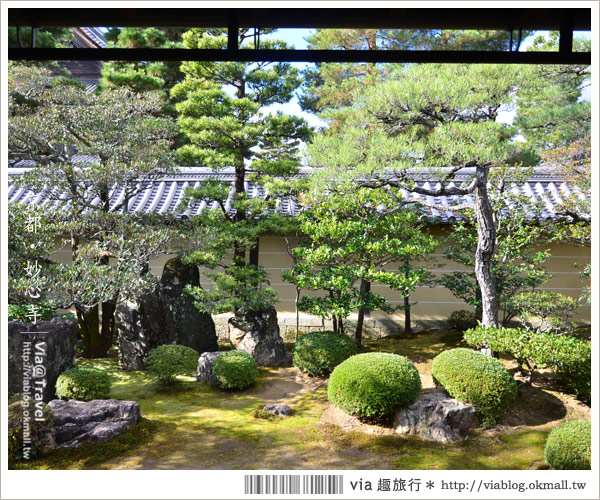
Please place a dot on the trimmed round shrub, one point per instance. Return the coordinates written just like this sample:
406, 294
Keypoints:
235, 370
569, 446
370, 386
462, 320
83, 384
167, 361
37, 419
319, 353
472, 377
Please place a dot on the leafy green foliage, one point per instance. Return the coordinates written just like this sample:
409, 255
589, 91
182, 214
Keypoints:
23, 313
330, 86
32, 419
371, 385
167, 361
569, 446
236, 288
47, 38
569, 356
551, 113
511, 341
142, 76
350, 236
473, 377
83, 384
235, 370
544, 311
462, 320
319, 353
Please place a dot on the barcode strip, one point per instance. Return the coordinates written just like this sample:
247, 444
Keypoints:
289, 484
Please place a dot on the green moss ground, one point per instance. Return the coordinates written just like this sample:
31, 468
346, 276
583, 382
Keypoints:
193, 425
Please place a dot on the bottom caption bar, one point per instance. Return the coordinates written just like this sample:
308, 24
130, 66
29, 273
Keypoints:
293, 484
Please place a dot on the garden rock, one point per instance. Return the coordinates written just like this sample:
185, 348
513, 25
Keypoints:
42, 350
204, 372
142, 324
77, 422
282, 410
436, 416
257, 333
193, 328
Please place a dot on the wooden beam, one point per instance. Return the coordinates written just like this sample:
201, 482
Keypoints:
310, 56
565, 40
418, 18
232, 32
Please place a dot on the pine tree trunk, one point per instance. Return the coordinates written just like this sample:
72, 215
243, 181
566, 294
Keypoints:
478, 311
239, 253
109, 327
407, 322
89, 330
97, 335
359, 327
297, 312
364, 289
486, 247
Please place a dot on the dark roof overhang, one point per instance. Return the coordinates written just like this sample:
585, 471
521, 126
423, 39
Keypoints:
510, 19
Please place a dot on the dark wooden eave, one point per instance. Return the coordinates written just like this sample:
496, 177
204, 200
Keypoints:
510, 19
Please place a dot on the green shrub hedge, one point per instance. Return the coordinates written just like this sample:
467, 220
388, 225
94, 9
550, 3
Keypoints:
40, 423
511, 341
569, 356
473, 377
235, 370
569, 446
371, 385
462, 320
83, 384
319, 353
168, 360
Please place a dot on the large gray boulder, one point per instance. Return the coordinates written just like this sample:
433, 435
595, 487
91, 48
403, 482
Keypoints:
192, 328
436, 416
142, 324
38, 353
102, 420
257, 333
204, 371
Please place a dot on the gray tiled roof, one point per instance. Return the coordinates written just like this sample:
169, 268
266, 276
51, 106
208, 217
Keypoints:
165, 195
95, 35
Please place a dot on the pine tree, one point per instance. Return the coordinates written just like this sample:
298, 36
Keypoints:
221, 108
52, 122
424, 118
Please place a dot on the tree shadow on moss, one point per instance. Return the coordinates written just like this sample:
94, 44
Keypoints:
419, 348
534, 406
